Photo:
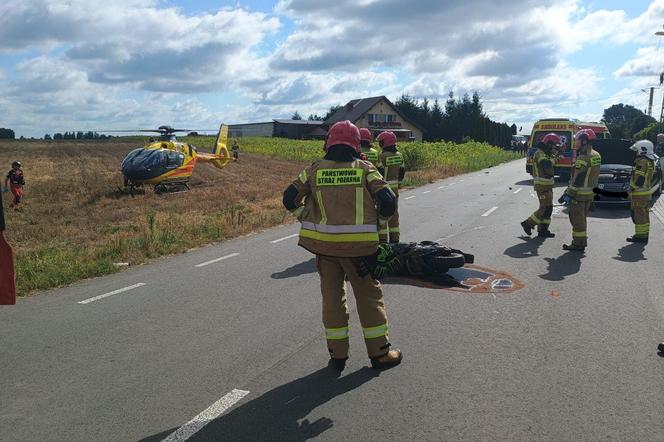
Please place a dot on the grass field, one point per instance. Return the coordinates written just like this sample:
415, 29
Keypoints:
75, 224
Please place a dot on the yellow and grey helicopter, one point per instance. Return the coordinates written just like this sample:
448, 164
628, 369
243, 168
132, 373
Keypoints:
167, 164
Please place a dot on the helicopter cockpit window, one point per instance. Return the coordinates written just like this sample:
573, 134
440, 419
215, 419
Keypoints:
174, 159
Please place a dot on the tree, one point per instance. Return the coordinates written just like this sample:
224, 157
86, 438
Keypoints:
57, 136
7, 134
513, 127
332, 110
315, 117
47, 137
648, 133
624, 121
296, 116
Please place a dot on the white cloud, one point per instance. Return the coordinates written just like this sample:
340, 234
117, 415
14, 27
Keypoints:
647, 62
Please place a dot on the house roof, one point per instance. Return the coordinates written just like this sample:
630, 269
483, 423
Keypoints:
355, 109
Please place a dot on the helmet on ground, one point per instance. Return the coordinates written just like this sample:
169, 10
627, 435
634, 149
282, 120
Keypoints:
644, 148
387, 139
16, 164
587, 135
343, 132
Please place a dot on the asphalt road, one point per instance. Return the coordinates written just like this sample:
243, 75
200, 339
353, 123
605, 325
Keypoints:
234, 347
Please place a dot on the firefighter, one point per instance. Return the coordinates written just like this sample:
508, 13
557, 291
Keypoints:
392, 168
369, 152
641, 189
15, 182
585, 174
235, 149
344, 197
543, 180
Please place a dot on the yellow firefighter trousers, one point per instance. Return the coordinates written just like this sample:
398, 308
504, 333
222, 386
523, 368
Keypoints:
369, 300
542, 216
578, 212
641, 217
392, 224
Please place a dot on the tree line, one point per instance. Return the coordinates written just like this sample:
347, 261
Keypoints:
76, 136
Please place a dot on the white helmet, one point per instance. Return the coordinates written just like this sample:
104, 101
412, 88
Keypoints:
644, 148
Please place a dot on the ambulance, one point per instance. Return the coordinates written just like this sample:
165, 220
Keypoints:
565, 128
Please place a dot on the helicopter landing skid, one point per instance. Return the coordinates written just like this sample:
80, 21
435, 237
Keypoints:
176, 187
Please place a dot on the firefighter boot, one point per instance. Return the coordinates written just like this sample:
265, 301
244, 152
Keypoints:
527, 227
573, 247
337, 363
543, 232
660, 347
640, 239
390, 359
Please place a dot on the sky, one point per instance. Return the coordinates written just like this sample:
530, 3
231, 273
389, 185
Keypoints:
134, 64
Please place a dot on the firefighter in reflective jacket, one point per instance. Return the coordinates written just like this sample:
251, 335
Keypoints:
339, 201
392, 168
642, 189
369, 152
585, 174
543, 180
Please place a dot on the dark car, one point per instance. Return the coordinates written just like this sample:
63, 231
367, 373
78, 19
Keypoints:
616, 171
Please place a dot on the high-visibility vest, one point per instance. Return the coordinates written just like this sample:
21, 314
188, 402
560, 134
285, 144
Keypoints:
643, 167
339, 217
541, 170
372, 155
585, 175
392, 161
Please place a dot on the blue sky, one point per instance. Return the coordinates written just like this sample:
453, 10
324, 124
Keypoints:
94, 65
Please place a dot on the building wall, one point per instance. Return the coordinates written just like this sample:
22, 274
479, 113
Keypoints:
251, 130
293, 131
384, 108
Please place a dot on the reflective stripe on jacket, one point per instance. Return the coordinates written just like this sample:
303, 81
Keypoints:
585, 175
339, 217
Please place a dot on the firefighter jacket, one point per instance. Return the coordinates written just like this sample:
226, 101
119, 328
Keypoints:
392, 167
372, 156
340, 216
16, 178
543, 174
585, 174
641, 184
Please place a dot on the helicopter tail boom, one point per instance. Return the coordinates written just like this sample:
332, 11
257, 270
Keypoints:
220, 155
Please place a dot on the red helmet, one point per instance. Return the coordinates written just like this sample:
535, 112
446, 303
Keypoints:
586, 134
365, 134
343, 132
551, 138
387, 139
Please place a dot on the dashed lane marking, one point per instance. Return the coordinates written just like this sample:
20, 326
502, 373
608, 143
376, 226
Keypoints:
518, 190
207, 263
285, 238
114, 292
490, 211
409, 197
205, 417
425, 192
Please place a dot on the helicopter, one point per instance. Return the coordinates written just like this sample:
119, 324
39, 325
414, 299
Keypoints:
167, 164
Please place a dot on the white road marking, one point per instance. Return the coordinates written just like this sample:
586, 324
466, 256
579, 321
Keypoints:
285, 238
205, 417
490, 211
425, 192
409, 197
207, 263
114, 292
518, 190
460, 233
442, 187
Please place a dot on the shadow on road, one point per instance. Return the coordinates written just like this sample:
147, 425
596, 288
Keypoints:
609, 211
529, 247
300, 269
631, 253
566, 264
280, 414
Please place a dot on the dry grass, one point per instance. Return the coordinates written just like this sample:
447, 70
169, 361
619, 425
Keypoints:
75, 224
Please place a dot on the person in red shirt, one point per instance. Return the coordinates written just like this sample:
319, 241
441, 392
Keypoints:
15, 182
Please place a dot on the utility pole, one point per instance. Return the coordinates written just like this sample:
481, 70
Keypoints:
652, 93
661, 80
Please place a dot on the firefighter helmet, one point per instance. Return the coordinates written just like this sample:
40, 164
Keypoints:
16, 164
644, 148
387, 139
551, 138
365, 134
587, 135
343, 132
